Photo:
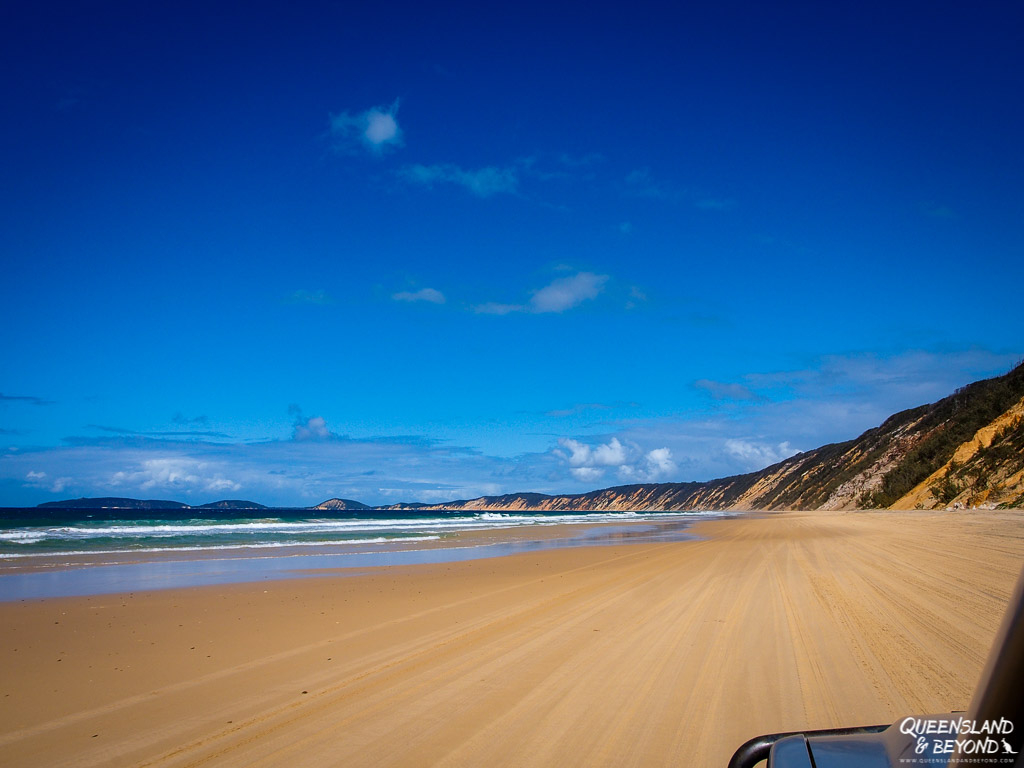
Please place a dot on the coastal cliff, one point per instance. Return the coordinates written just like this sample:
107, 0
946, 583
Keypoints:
963, 451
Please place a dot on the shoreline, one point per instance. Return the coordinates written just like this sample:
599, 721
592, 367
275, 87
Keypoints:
637, 654
67, 574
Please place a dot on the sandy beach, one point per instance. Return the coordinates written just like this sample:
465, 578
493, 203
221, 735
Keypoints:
645, 654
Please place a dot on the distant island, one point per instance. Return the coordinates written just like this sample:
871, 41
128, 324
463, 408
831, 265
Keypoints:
340, 504
966, 450
114, 502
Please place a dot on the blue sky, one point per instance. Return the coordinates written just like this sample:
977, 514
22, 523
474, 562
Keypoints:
416, 253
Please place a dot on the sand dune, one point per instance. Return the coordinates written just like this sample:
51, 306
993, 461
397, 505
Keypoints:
648, 654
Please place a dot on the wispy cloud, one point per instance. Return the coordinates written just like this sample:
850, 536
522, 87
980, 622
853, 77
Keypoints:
635, 298
34, 479
430, 295
914, 376
303, 296
936, 211
715, 204
171, 433
567, 292
29, 399
180, 418
482, 182
375, 129
835, 399
111, 430
588, 160
497, 308
559, 295
641, 182
66, 104
911, 378
72, 99
578, 409
725, 391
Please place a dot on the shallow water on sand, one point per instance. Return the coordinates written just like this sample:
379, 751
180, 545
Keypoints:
126, 570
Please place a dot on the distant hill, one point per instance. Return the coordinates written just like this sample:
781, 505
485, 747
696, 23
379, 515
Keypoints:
113, 503
509, 502
340, 504
143, 504
231, 504
965, 450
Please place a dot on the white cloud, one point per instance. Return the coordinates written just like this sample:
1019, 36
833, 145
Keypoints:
757, 455
482, 182
222, 484
166, 473
431, 295
588, 463
587, 474
375, 129
556, 297
381, 128
605, 455
659, 462
39, 480
611, 454
579, 453
313, 428
567, 292
170, 474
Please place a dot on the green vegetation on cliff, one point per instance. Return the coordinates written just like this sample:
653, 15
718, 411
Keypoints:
948, 424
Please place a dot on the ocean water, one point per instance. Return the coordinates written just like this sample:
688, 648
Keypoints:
47, 553
57, 533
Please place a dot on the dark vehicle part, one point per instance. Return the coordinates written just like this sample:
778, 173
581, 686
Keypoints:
991, 733
758, 748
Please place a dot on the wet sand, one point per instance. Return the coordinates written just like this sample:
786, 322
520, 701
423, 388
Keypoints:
645, 654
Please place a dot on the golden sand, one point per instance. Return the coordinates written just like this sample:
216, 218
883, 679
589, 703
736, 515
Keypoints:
646, 654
